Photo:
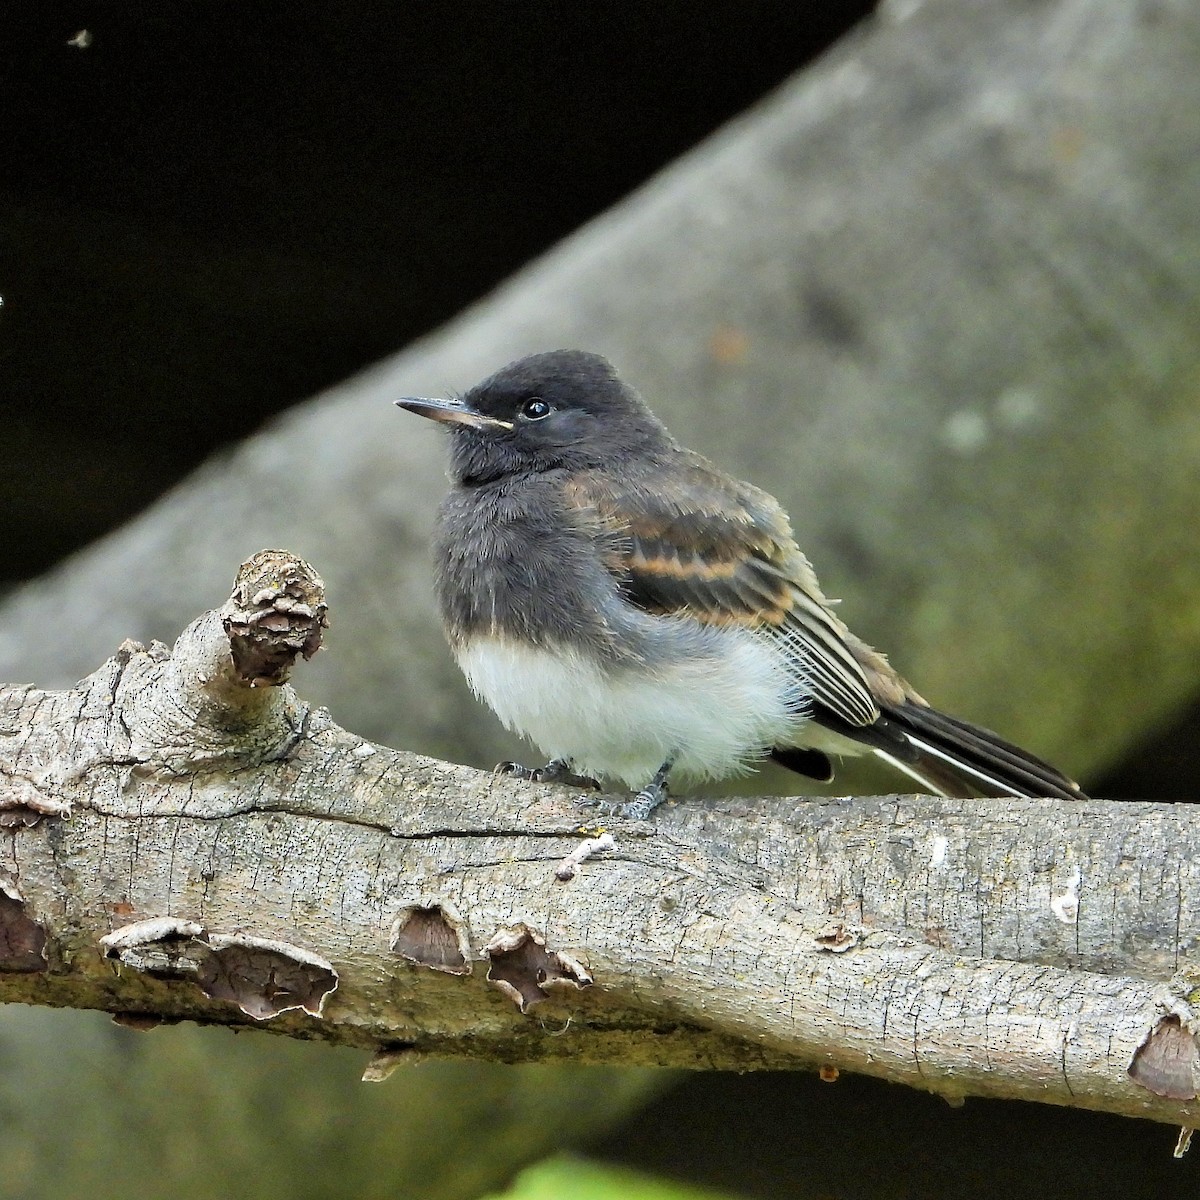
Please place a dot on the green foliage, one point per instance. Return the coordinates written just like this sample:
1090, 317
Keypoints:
567, 1178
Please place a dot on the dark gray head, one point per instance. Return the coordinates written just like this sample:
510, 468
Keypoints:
565, 408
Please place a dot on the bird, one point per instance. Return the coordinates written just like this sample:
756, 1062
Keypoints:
642, 616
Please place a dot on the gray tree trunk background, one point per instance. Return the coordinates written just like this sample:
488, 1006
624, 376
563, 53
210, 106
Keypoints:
940, 294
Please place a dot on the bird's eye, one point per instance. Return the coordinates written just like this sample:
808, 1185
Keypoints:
535, 409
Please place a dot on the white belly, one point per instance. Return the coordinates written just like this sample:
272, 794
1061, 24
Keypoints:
714, 713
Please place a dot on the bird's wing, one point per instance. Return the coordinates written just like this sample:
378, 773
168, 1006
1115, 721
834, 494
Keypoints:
690, 540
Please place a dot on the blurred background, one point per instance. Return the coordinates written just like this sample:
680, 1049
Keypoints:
211, 212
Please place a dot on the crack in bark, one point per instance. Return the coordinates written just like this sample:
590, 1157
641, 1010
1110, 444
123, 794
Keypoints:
181, 813
1065, 1076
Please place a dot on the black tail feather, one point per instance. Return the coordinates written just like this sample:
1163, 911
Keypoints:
973, 753
953, 757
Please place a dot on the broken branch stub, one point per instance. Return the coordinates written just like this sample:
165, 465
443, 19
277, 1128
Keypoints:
276, 613
218, 698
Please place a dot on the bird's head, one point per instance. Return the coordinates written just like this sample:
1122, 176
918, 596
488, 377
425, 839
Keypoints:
564, 408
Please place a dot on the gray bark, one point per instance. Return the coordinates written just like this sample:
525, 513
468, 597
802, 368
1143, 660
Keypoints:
241, 858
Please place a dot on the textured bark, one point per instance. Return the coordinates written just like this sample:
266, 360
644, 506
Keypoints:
243, 859
939, 294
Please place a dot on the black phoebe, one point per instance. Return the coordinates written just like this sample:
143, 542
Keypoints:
633, 610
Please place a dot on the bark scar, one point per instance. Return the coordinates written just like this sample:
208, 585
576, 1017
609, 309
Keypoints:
522, 968
25, 803
22, 939
433, 935
262, 977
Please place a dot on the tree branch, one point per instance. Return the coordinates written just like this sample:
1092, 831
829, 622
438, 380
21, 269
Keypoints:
189, 839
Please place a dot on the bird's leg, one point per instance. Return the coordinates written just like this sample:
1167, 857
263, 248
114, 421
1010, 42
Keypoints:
557, 770
651, 796
642, 805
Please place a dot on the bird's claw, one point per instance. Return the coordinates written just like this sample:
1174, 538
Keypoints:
645, 802
637, 809
605, 808
514, 770
558, 770
555, 771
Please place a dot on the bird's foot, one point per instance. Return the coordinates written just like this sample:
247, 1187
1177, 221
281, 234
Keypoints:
557, 770
603, 808
646, 801
642, 805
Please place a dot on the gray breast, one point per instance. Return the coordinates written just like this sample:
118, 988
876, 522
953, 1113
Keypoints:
512, 560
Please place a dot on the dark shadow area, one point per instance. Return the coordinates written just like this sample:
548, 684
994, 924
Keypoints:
211, 211
1164, 766
778, 1136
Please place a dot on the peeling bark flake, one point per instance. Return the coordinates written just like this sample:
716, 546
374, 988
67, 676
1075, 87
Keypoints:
263, 978
1167, 1062
23, 804
142, 933
837, 938
433, 936
22, 939
522, 968
388, 1059
569, 867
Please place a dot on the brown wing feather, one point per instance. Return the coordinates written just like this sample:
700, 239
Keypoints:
722, 552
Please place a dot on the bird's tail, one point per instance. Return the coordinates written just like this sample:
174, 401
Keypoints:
944, 755
953, 757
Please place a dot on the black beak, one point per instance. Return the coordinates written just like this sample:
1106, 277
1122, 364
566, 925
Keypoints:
452, 412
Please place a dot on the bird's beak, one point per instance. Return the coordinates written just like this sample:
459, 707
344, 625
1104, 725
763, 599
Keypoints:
452, 412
